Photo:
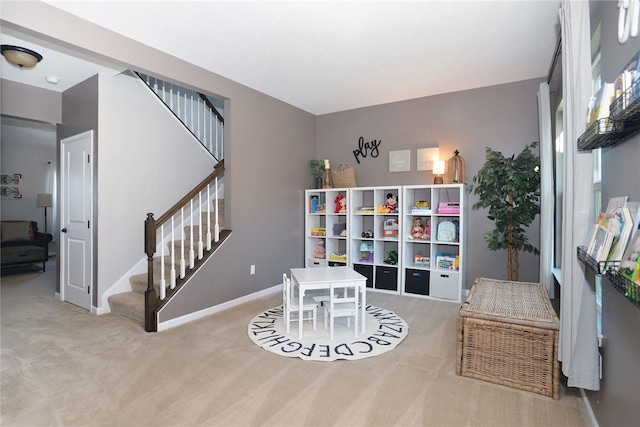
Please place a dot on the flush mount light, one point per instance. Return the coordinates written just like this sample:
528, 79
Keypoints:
52, 80
20, 56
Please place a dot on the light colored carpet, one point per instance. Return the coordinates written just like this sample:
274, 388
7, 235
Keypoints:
61, 366
384, 330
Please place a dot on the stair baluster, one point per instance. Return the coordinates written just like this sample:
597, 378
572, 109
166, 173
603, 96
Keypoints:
182, 260
163, 282
172, 273
192, 256
217, 223
200, 244
208, 219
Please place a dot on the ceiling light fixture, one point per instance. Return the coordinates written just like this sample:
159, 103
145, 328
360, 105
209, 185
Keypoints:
20, 56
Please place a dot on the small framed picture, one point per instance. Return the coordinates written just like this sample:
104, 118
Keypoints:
11, 185
400, 161
425, 158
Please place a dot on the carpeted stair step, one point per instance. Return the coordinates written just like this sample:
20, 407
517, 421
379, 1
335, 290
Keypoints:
129, 305
139, 281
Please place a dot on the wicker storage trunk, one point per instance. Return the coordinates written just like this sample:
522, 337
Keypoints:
508, 334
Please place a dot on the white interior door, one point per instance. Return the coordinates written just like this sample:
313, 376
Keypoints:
76, 208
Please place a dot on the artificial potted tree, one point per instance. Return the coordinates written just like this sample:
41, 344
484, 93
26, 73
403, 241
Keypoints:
317, 170
510, 188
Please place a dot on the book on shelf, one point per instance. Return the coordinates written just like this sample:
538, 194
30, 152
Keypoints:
600, 244
629, 265
628, 79
600, 103
634, 210
615, 203
620, 225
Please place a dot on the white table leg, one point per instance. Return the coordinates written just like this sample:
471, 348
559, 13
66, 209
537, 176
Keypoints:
363, 299
300, 311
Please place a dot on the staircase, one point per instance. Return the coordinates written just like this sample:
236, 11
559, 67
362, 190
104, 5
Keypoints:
184, 242
132, 304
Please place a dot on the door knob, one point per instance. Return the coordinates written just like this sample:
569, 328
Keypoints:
64, 230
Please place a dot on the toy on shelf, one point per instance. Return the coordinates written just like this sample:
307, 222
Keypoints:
392, 203
366, 252
318, 231
392, 258
391, 206
391, 227
338, 256
367, 234
320, 251
421, 208
341, 204
447, 261
419, 231
420, 259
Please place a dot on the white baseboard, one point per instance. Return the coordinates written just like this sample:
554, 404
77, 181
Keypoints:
216, 309
122, 285
587, 404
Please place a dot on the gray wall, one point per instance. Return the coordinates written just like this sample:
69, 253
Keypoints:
80, 114
618, 401
26, 147
269, 144
503, 117
18, 100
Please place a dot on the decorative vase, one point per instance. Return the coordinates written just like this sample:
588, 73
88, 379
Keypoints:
318, 182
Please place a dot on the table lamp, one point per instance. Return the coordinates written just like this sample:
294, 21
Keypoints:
438, 171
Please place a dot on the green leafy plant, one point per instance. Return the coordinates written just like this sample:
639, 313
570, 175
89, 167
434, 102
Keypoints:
317, 168
510, 188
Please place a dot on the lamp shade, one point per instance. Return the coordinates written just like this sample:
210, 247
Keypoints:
44, 200
438, 167
20, 56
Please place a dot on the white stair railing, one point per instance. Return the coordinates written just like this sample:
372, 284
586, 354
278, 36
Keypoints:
194, 110
181, 237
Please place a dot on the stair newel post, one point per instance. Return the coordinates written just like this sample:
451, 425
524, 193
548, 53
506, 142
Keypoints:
150, 299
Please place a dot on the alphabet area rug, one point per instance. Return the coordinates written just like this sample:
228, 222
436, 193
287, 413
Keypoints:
384, 330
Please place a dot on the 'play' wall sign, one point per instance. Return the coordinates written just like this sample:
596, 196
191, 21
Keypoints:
367, 148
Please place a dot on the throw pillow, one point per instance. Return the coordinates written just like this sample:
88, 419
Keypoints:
16, 230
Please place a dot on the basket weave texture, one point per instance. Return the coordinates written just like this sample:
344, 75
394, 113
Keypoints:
508, 335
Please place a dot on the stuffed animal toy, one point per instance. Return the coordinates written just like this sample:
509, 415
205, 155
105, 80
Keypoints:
426, 235
341, 204
417, 230
320, 251
392, 203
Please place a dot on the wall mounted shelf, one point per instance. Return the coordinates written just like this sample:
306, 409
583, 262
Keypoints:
623, 122
609, 269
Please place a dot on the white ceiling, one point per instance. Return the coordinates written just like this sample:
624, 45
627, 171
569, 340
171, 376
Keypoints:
328, 56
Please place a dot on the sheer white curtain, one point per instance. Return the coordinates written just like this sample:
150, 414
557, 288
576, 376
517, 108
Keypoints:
578, 349
547, 194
